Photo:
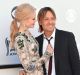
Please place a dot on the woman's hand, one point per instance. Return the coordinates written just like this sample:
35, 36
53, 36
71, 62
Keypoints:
49, 48
22, 72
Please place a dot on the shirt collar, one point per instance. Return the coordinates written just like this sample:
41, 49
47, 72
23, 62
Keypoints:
53, 34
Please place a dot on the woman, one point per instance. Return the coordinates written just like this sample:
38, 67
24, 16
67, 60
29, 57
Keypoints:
23, 41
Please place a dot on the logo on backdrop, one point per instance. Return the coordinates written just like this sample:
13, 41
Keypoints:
10, 52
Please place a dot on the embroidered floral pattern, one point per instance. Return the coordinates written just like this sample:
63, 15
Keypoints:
27, 49
20, 43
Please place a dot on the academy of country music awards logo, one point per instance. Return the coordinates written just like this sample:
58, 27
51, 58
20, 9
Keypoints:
10, 52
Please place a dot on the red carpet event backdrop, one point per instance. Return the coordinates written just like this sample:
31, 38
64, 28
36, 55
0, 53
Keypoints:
68, 19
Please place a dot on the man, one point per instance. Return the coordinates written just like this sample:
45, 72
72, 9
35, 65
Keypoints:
65, 60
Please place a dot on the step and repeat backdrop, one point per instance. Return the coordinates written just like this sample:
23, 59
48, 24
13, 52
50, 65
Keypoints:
68, 18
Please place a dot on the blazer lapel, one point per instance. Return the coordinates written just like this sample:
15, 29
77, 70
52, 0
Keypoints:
56, 52
40, 41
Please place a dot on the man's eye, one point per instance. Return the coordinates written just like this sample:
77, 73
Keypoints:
46, 19
33, 18
52, 18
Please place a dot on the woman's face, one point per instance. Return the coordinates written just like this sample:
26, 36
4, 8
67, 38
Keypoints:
30, 22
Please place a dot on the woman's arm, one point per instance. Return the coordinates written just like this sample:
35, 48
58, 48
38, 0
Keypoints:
21, 48
48, 53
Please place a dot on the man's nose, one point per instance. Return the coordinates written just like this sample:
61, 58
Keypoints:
50, 21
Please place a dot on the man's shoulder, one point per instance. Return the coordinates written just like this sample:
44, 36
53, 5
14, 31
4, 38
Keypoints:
63, 32
40, 36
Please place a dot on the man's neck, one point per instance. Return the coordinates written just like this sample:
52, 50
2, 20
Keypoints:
48, 33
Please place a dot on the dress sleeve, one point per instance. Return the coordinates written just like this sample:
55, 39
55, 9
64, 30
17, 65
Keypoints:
46, 56
22, 50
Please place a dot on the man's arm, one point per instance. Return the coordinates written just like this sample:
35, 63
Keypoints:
74, 55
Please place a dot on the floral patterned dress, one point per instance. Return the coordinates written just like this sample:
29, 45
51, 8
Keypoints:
27, 49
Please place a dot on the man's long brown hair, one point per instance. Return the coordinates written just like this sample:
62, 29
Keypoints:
41, 15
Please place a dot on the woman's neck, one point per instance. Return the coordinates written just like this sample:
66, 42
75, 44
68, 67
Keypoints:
22, 28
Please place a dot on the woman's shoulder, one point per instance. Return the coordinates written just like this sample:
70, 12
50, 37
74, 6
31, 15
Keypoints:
20, 35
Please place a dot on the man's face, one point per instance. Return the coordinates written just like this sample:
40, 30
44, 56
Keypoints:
48, 22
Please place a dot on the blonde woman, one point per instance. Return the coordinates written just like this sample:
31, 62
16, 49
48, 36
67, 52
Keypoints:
24, 43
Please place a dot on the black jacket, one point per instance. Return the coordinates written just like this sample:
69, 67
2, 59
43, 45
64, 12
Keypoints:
66, 54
